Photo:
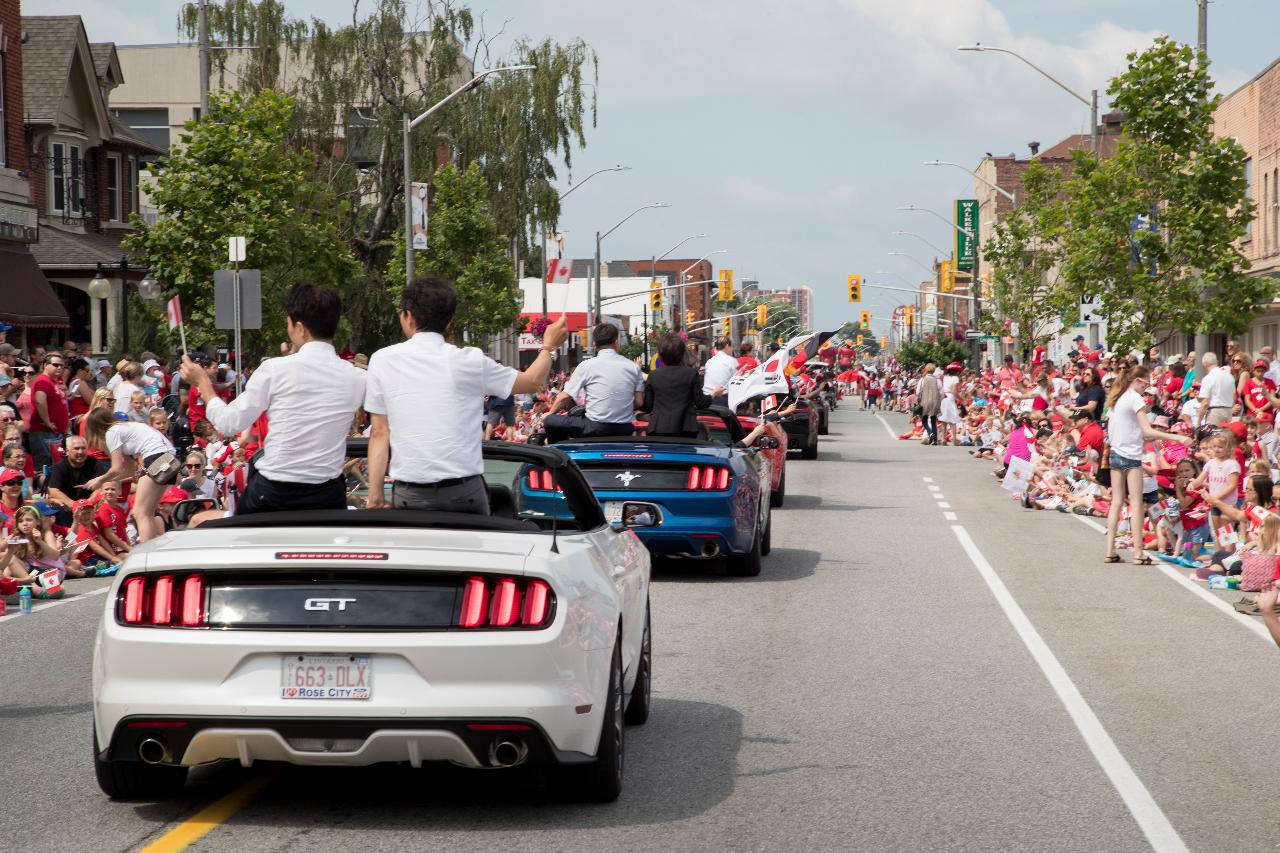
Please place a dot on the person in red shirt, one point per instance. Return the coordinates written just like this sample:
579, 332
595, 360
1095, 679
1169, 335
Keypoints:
49, 414
109, 519
746, 359
846, 354
1087, 433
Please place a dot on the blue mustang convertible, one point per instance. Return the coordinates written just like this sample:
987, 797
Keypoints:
709, 496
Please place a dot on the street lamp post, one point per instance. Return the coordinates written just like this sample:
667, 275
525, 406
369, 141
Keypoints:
563, 196
911, 208
148, 289
684, 272
653, 273
1013, 198
595, 294
1091, 102
931, 245
409, 125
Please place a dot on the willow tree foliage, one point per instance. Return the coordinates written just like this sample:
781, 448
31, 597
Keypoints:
1155, 229
354, 84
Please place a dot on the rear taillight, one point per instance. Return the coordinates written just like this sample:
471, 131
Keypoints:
708, 478
155, 601
542, 480
504, 603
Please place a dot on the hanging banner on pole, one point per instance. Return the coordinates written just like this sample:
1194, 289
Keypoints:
966, 244
418, 200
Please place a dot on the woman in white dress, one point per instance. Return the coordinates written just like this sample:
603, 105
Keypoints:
950, 414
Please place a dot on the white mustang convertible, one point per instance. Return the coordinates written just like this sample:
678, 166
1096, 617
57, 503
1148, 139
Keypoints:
353, 637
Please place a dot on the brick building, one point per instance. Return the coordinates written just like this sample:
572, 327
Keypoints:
1251, 116
26, 300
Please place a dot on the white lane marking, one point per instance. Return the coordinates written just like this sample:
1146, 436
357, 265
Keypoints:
935, 488
943, 505
1252, 624
949, 516
1084, 519
928, 479
41, 606
887, 428
1153, 822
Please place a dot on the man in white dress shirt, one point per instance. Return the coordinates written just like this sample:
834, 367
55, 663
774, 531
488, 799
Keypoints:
426, 400
1217, 391
719, 369
612, 385
310, 398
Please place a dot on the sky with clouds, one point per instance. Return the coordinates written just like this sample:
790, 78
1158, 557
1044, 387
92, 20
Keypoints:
790, 132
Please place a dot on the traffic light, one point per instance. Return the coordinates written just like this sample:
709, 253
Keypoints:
726, 327
726, 285
655, 296
859, 341
855, 288
946, 276
884, 343
866, 319
582, 338
762, 314
688, 317
911, 313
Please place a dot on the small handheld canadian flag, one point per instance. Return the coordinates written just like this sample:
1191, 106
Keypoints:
559, 270
175, 320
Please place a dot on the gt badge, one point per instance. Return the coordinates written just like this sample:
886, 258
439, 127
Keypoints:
323, 603
626, 477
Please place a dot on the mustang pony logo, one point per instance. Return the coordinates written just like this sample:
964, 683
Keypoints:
626, 477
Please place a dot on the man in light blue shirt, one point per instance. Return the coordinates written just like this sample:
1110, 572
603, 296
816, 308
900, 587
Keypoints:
612, 385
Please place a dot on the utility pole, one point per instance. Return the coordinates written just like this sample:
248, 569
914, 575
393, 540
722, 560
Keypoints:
1201, 342
203, 35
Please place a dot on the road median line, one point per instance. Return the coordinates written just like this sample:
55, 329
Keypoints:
207, 819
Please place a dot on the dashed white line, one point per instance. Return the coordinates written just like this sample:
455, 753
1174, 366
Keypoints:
41, 606
949, 516
887, 428
943, 505
928, 479
1153, 822
935, 488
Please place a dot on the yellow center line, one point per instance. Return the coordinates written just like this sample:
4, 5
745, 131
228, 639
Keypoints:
207, 819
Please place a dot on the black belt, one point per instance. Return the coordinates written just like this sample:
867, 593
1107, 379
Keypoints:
439, 484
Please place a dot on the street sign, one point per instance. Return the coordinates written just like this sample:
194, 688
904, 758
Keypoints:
235, 250
972, 334
966, 244
250, 299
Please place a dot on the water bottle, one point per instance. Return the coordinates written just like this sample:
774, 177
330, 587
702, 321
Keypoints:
24, 600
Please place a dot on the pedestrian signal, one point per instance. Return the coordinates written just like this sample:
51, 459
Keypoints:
855, 288
762, 314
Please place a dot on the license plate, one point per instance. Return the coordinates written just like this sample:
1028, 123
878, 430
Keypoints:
613, 512
326, 677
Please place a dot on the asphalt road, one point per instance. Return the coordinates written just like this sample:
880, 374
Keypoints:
867, 692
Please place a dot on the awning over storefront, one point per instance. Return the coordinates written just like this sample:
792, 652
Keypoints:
26, 299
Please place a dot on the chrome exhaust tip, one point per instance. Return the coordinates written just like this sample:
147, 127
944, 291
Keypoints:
154, 751
508, 753
711, 549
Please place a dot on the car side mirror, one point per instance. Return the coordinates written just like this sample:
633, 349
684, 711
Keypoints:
635, 514
768, 442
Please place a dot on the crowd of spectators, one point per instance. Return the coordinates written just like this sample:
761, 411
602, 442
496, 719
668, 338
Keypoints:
1179, 454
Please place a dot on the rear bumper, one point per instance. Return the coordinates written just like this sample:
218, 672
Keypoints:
336, 741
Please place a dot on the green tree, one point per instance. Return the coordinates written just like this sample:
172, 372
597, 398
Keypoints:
234, 175
467, 248
1154, 230
915, 354
355, 83
1025, 253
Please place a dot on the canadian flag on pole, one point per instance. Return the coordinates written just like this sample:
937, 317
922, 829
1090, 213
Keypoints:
559, 270
175, 313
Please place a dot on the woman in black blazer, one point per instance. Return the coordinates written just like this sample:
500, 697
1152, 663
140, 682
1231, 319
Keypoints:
673, 393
